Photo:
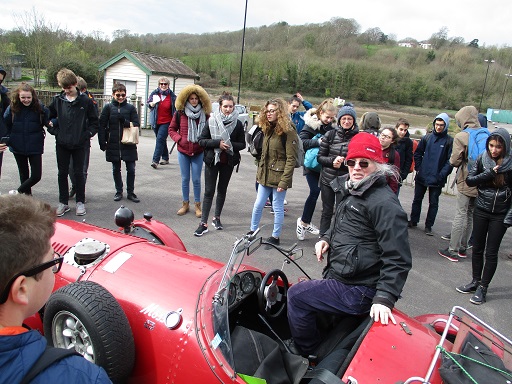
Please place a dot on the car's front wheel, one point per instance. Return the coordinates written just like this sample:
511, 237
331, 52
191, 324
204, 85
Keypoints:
86, 317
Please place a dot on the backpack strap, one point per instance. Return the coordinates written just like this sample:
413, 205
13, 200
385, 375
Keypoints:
49, 356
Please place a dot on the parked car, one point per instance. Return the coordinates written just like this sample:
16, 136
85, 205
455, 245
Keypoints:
138, 304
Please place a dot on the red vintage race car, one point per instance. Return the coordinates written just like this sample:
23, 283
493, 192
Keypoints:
147, 311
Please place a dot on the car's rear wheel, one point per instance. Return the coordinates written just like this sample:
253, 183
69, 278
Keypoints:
86, 317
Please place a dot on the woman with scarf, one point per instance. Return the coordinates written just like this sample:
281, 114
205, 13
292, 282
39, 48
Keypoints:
222, 138
492, 175
193, 109
161, 109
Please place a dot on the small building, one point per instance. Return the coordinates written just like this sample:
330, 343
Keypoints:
140, 72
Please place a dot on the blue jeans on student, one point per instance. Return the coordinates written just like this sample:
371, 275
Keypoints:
188, 165
308, 298
433, 203
277, 204
161, 150
314, 191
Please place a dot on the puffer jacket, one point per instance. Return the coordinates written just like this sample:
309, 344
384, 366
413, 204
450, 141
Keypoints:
4, 103
490, 198
404, 147
237, 138
466, 117
111, 131
368, 239
334, 143
26, 130
277, 164
432, 157
18, 353
312, 127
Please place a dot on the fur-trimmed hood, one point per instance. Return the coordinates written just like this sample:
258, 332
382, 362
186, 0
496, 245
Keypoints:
204, 98
311, 119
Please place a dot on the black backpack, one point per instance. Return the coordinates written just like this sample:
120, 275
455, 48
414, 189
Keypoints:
256, 143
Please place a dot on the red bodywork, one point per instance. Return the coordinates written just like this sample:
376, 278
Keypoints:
149, 280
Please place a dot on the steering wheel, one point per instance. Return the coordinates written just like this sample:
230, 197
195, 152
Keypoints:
271, 296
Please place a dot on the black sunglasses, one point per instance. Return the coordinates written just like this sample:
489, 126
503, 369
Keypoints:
54, 264
163, 84
362, 163
120, 94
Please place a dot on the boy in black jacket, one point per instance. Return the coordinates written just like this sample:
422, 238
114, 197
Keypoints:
74, 121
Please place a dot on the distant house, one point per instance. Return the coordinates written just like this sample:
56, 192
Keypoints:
406, 45
140, 72
426, 45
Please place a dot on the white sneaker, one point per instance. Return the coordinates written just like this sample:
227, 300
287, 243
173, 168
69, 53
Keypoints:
285, 202
301, 233
80, 209
13, 192
312, 229
62, 209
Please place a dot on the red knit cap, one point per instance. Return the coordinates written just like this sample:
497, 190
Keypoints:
366, 146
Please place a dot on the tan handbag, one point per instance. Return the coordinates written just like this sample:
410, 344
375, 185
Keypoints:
130, 135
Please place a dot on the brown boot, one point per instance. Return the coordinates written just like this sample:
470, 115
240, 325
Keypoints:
184, 209
198, 209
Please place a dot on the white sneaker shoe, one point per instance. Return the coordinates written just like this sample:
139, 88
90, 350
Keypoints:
80, 209
285, 202
312, 229
13, 192
301, 233
62, 209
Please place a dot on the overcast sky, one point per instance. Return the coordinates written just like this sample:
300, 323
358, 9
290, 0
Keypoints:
488, 21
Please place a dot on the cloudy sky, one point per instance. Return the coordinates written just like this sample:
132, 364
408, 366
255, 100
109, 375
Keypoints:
488, 21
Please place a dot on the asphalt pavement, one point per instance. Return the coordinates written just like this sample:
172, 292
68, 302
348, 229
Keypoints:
430, 287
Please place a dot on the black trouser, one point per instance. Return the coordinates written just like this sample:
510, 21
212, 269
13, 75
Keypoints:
86, 164
488, 231
328, 199
130, 176
29, 177
64, 155
223, 172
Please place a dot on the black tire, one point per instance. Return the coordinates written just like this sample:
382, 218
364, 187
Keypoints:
86, 316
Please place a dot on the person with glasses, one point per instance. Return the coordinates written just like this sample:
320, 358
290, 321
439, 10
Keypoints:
161, 110
367, 250
387, 139
25, 119
432, 165
276, 165
405, 148
27, 267
193, 108
331, 155
115, 116
4, 103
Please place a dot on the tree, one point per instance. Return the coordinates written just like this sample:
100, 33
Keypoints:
372, 36
440, 38
473, 44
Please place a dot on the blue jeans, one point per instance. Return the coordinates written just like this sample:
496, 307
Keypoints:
130, 176
277, 204
161, 150
308, 298
314, 191
194, 165
433, 203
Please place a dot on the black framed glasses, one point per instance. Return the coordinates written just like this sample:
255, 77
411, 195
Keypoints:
352, 163
54, 264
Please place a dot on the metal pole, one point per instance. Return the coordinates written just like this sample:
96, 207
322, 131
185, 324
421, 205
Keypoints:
242, 56
506, 81
488, 61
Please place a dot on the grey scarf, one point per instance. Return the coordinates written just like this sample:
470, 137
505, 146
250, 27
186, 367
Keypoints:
221, 127
193, 113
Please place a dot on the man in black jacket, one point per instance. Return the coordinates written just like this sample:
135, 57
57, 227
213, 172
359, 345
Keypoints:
74, 121
4, 103
367, 246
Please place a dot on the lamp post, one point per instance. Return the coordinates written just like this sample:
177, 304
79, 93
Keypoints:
489, 62
242, 56
506, 81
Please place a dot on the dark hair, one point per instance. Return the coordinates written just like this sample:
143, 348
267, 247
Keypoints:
402, 121
16, 103
26, 228
225, 96
294, 98
394, 134
118, 87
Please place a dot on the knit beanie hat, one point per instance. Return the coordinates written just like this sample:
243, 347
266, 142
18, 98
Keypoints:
365, 145
347, 109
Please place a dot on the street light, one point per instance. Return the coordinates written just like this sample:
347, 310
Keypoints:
242, 56
489, 62
506, 81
